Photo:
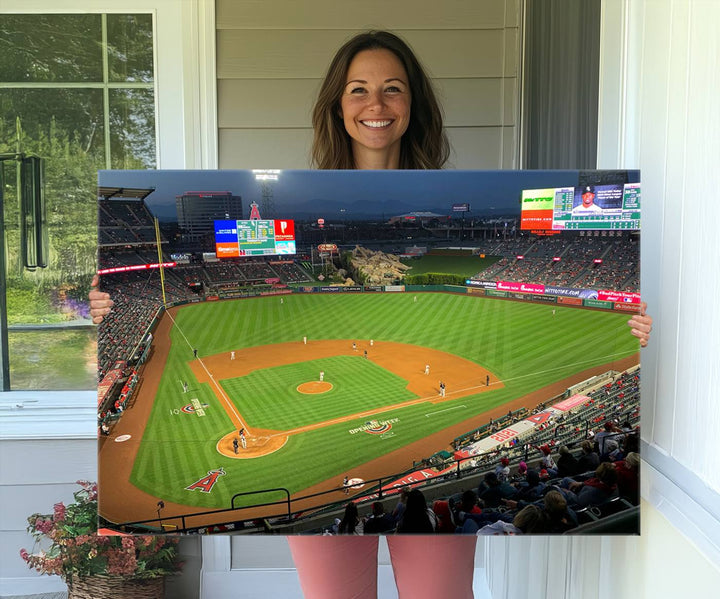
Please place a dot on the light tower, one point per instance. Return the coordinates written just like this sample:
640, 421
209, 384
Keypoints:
265, 177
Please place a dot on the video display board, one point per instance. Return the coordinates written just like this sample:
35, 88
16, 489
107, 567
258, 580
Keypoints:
235, 238
590, 207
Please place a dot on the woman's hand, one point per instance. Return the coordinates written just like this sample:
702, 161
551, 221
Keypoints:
100, 302
641, 325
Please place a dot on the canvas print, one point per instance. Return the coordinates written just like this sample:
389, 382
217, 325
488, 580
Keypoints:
290, 351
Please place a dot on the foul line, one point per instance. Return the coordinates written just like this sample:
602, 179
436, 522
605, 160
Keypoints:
445, 410
229, 407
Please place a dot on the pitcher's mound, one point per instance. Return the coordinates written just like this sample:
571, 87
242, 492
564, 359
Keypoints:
315, 387
259, 443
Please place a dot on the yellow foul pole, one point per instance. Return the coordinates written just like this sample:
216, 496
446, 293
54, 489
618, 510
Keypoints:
160, 261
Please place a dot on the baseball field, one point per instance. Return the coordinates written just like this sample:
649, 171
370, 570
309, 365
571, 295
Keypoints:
303, 433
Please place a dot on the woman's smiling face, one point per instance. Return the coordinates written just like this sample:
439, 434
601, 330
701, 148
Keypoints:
375, 105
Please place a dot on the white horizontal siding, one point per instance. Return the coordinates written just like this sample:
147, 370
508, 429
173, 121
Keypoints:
252, 54
351, 14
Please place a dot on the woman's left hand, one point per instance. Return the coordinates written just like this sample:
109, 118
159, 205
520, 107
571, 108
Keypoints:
641, 325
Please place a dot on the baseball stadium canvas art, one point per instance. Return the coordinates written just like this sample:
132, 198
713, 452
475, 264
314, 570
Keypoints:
283, 343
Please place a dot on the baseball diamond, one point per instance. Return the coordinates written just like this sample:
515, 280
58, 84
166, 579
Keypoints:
298, 429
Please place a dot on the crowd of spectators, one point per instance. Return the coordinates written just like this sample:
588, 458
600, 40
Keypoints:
528, 502
576, 266
577, 468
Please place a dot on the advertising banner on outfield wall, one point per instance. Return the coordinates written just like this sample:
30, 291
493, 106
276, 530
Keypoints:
472, 291
522, 287
617, 296
591, 303
394, 287
544, 298
624, 307
571, 301
567, 292
372, 288
483, 284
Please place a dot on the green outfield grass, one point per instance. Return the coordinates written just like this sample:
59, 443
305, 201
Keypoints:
522, 343
457, 265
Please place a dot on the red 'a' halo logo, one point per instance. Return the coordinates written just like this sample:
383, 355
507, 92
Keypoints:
254, 212
206, 483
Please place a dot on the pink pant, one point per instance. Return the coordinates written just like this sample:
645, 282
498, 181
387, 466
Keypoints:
345, 567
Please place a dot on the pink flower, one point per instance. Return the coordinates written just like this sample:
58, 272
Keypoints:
59, 512
121, 562
43, 526
128, 542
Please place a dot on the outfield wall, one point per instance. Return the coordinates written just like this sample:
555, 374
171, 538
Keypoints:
486, 289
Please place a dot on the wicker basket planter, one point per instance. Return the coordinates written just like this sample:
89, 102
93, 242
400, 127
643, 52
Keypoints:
116, 587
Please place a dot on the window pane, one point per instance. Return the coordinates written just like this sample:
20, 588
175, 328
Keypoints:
130, 48
50, 48
132, 128
65, 128
53, 359
51, 118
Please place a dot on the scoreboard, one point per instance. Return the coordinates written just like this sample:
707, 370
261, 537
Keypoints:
236, 238
560, 209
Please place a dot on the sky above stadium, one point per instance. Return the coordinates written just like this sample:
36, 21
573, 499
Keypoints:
348, 195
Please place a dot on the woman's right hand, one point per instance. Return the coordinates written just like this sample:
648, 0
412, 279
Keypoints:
100, 302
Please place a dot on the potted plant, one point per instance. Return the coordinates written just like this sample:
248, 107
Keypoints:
98, 566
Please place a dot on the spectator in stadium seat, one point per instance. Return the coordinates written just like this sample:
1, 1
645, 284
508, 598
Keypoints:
593, 491
418, 518
469, 502
400, 506
378, 522
628, 479
532, 489
560, 517
491, 522
567, 465
491, 491
610, 430
547, 462
444, 517
529, 520
351, 524
521, 472
589, 460
502, 471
